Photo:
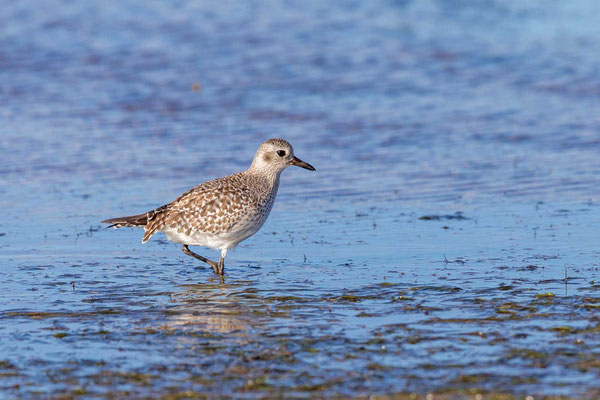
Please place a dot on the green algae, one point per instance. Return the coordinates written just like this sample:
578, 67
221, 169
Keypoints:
548, 295
565, 330
261, 357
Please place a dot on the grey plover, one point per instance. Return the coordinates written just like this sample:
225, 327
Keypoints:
221, 213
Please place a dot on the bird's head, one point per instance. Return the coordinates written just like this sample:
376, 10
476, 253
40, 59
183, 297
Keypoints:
275, 155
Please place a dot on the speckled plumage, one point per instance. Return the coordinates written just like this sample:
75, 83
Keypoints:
238, 204
222, 212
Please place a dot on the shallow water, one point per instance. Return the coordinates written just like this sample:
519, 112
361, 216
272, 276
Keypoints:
447, 242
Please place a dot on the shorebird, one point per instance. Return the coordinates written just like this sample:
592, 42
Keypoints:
221, 213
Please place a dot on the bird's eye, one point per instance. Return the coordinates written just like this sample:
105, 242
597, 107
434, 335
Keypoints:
281, 153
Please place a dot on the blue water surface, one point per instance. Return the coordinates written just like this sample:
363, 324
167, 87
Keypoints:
447, 242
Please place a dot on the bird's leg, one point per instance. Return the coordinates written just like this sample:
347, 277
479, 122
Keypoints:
214, 265
221, 265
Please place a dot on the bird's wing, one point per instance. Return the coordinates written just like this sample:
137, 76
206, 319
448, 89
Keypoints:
212, 207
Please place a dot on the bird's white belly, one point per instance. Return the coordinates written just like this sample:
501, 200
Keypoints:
225, 240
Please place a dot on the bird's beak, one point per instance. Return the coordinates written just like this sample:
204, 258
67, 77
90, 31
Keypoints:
299, 163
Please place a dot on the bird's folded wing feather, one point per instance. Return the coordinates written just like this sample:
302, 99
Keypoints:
213, 207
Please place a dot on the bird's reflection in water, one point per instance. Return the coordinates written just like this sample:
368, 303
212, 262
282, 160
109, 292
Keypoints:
214, 308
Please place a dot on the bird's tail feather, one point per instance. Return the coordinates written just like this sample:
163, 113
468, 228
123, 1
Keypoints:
132, 220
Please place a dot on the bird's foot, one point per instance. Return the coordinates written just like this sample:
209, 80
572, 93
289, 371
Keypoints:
214, 266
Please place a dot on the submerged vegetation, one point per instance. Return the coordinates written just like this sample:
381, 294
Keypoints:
388, 337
